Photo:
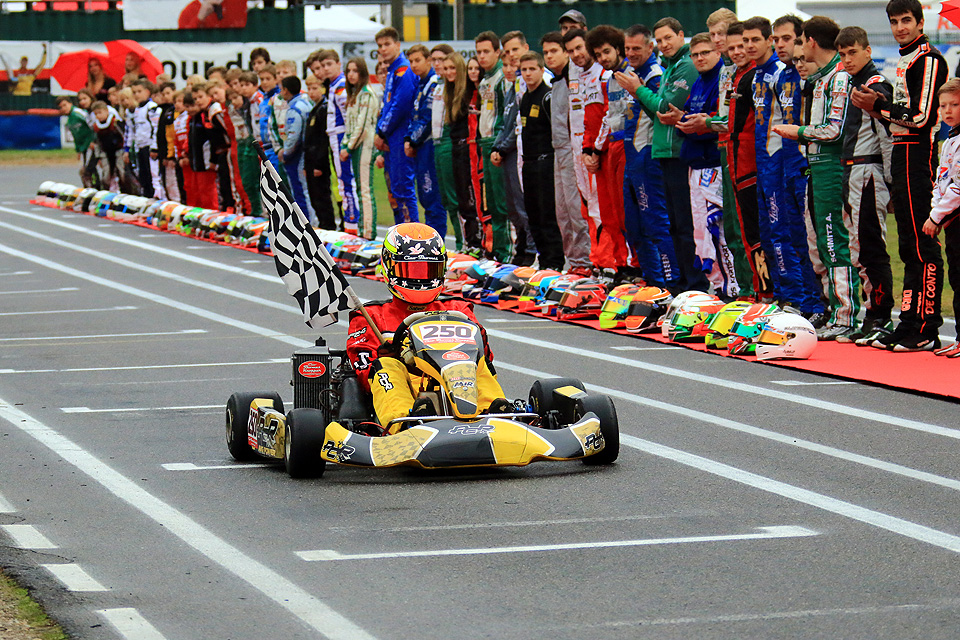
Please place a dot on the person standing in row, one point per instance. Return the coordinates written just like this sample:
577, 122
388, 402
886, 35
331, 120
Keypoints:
459, 94
443, 146
363, 109
538, 156
400, 89
492, 92
418, 141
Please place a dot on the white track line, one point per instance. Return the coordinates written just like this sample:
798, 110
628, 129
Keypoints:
846, 509
142, 245
763, 533
126, 409
152, 366
6, 507
833, 452
15, 273
182, 280
732, 385
17, 293
73, 577
109, 335
189, 466
130, 624
26, 536
158, 299
799, 383
304, 606
60, 311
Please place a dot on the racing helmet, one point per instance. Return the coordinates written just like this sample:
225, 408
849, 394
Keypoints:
786, 336
413, 262
585, 296
718, 329
634, 307
675, 305
689, 322
742, 339
493, 284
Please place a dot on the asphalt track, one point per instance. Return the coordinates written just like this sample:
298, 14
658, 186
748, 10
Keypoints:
748, 501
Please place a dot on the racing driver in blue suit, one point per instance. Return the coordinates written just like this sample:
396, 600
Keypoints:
399, 92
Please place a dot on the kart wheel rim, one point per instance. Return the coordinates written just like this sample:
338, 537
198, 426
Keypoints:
286, 443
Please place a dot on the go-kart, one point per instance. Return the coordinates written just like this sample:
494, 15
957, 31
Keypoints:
333, 419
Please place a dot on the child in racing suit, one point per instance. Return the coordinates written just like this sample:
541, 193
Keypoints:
414, 261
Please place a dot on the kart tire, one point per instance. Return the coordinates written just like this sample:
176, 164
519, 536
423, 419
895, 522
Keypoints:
238, 416
604, 409
541, 393
305, 434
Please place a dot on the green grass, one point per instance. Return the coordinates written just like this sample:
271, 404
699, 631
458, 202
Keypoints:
37, 156
27, 611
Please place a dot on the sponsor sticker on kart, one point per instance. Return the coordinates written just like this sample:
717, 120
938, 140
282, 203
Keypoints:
445, 335
455, 355
311, 369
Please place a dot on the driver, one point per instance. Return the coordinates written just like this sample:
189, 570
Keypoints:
414, 260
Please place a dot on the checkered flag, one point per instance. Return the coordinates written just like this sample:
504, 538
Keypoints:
303, 262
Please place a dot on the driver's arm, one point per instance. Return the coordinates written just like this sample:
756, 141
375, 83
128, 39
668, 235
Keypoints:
362, 347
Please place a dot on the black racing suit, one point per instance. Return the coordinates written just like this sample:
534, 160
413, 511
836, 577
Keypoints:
913, 119
538, 188
316, 150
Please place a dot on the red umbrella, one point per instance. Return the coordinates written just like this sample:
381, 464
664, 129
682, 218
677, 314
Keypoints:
150, 66
70, 69
950, 9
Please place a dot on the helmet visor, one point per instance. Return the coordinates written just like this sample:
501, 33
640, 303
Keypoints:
419, 270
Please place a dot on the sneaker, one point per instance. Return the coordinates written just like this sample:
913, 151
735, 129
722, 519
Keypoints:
878, 329
831, 332
853, 335
888, 339
817, 318
910, 344
951, 350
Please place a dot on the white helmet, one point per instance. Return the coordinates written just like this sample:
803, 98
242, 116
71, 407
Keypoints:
786, 335
665, 320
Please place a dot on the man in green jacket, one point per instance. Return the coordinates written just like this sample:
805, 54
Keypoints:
83, 137
492, 92
664, 105
824, 139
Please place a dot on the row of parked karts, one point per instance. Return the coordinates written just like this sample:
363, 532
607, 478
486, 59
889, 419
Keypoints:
740, 327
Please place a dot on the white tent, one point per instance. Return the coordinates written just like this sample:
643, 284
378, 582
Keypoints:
337, 24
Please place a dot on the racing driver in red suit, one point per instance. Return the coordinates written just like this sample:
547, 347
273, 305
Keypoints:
414, 261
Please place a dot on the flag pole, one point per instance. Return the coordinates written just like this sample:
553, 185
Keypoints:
286, 191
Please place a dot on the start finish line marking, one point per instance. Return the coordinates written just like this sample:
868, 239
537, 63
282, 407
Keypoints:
762, 533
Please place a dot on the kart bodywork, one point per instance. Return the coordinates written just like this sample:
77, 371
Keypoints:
333, 419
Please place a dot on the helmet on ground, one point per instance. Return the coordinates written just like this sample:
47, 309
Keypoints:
585, 297
413, 262
493, 284
786, 336
456, 274
633, 307
743, 334
83, 200
718, 329
675, 305
689, 322
514, 282
530, 295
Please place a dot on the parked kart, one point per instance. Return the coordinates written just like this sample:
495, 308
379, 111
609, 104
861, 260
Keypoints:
333, 419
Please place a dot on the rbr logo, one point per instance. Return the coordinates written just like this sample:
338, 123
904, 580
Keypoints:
455, 355
312, 369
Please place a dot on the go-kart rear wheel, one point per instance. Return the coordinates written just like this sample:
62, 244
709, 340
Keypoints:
541, 393
604, 409
238, 416
305, 430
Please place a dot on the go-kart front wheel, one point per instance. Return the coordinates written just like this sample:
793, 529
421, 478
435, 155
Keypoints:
541, 395
305, 430
604, 409
238, 417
